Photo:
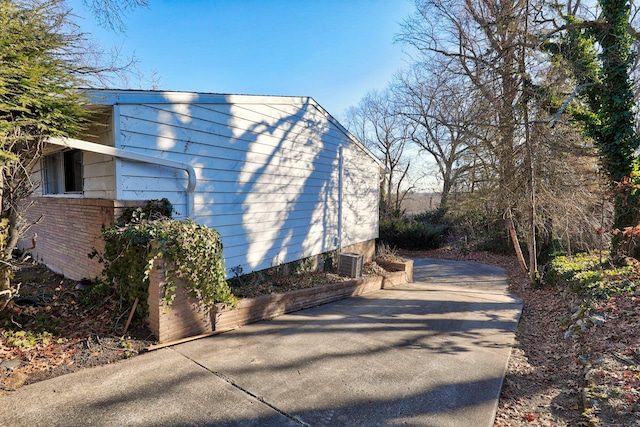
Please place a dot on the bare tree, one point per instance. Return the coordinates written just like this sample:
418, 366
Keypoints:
441, 119
378, 125
509, 93
481, 39
110, 13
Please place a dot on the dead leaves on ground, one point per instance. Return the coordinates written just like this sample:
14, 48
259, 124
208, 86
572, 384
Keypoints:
41, 338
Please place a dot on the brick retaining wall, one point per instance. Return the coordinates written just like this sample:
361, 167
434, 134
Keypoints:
252, 310
184, 318
187, 317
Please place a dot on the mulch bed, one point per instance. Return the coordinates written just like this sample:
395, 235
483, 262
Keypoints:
49, 333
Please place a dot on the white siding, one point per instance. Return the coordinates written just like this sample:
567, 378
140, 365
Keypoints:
99, 173
267, 173
99, 176
360, 197
98, 170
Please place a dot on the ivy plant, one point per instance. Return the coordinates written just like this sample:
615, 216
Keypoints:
192, 254
144, 239
600, 56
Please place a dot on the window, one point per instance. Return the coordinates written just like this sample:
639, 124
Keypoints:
62, 172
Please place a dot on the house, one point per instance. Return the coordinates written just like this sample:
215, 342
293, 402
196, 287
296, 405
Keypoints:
277, 176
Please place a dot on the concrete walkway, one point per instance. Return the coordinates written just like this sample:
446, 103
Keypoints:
429, 353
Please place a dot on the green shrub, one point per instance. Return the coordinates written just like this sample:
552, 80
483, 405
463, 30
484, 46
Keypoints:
406, 233
439, 216
153, 209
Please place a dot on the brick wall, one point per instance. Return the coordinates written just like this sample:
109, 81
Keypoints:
367, 248
69, 229
250, 310
185, 318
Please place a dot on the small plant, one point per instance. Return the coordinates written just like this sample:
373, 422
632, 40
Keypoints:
304, 265
329, 260
237, 272
26, 338
372, 269
126, 345
383, 248
278, 269
385, 252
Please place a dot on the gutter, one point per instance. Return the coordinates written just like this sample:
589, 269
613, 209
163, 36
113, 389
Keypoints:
135, 157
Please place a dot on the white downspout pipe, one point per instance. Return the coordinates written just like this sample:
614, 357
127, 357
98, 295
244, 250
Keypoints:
340, 194
136, 157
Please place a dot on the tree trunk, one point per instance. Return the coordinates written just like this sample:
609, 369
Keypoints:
514, 239
532, 245
5, 266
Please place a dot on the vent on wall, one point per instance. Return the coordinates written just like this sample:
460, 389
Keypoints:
350, 264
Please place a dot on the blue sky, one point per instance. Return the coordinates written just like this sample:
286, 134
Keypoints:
332, 50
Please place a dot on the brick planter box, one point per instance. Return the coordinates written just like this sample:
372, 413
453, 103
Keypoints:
391, 280
251, 310
187, 317
405, 266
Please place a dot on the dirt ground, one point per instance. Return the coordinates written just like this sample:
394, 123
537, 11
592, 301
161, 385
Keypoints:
46, 332
590, 379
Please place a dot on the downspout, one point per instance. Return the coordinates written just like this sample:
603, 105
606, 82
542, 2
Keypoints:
136, 157
340, 182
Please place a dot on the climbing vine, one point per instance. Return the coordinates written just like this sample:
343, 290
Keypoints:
145, 239
599, 55
192, 254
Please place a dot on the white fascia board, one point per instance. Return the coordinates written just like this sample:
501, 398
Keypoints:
124, 97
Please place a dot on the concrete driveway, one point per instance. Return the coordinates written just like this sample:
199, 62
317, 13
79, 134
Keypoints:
429, 353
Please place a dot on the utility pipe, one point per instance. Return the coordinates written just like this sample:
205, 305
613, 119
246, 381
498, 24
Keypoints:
340, 194
136, 157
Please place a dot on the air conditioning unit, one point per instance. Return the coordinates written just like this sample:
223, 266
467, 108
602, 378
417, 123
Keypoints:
350, 264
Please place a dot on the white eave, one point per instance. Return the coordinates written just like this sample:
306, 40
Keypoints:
136, 157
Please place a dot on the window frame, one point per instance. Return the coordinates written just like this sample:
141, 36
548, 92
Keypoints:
62, 172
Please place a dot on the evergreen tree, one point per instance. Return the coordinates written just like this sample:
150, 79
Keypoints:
40, 69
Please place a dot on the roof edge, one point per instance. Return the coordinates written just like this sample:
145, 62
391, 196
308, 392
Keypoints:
132, 96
